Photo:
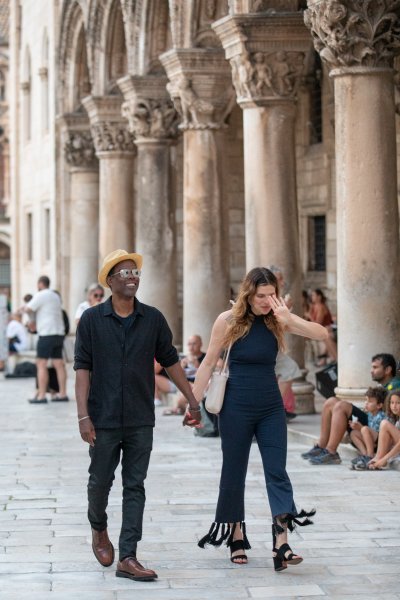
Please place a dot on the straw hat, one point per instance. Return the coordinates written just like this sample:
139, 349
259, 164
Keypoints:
113, 259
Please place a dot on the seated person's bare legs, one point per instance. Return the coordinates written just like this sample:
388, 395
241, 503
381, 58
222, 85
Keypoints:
162, 386
364, 440
178, 407
326, 419
388, 445
334, 421
341, 414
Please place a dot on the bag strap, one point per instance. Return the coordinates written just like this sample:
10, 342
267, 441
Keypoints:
227, 352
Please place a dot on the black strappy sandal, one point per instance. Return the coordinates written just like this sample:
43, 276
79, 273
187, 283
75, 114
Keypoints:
279, 564
284, 556
234, 547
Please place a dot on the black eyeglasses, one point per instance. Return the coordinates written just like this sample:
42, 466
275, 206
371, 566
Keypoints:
98, 295
125, 273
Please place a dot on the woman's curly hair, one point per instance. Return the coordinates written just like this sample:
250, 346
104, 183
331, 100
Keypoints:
242, 316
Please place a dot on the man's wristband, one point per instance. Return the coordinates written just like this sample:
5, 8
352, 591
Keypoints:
83, 418
198, 409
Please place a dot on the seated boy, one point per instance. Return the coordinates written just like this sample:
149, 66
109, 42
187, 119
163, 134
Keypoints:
364, 426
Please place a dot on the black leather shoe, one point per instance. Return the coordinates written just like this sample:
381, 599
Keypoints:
37, 401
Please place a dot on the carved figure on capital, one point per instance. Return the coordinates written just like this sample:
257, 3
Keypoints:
355, 32
79, 150
242, 74
112, 137
151, 118
261, 75
196, 113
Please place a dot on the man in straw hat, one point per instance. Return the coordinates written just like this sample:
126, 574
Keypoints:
116, 344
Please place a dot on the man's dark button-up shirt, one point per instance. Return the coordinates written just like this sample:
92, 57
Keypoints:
120, 359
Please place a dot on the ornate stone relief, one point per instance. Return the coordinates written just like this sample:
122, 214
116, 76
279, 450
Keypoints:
198, 113
151, 118
255, 6
355, 32
112, 137
79, 150
261, 75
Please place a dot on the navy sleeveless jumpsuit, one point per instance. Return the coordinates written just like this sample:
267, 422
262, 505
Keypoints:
252, 406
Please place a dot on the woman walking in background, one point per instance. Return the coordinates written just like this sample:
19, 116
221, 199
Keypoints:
253, 406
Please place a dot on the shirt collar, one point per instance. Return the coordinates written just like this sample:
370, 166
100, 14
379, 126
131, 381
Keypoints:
108, 308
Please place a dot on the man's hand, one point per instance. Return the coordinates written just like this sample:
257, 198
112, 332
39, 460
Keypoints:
87, 431
355, 425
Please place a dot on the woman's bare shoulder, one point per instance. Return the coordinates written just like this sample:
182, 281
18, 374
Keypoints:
225, 316
222, 320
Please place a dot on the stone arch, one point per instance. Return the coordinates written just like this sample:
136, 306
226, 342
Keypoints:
149, 35
207, 11
106, 35
75, 80
115, 56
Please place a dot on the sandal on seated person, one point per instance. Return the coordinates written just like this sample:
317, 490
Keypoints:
234, 547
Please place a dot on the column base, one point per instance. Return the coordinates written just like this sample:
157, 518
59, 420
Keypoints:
353, 395
304, 394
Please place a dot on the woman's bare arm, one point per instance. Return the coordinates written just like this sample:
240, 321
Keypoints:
214, 350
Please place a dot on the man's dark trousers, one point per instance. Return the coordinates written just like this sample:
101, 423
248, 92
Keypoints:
135, 443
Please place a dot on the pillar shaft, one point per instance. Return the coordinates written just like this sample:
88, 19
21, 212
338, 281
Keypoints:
205, 218
200, 86
84, 234
153, 121
115, 151
350, 40
155, 229
84, 208
115, 202
367, 223
267, 65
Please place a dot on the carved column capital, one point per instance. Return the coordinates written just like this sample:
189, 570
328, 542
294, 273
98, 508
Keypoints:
79, 150
267, 54
148, 108
200, 87
260, 77
355, 33
109, 128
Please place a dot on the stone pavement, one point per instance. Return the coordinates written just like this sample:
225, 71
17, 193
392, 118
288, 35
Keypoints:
352, 551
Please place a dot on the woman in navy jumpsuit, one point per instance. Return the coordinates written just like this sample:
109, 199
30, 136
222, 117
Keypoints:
253, 406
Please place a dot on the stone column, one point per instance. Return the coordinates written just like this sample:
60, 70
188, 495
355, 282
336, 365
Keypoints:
84, 208
358, 41
201, 89
154, 121
115, 151
267, 54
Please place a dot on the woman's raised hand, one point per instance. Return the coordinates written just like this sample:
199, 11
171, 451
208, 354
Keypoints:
280, 310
